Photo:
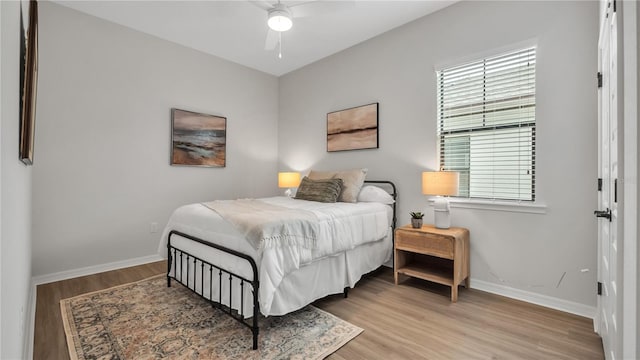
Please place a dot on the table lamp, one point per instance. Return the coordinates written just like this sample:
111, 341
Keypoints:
288, 180
441, 184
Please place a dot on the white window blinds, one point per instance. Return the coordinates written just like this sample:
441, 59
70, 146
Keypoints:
487, 125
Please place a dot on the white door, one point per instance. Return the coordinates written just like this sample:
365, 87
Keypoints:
607, 319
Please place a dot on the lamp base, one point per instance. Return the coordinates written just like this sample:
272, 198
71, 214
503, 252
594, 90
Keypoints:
288, 192
441, 212
442, 219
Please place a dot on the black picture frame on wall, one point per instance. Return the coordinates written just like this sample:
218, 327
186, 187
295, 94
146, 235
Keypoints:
28, 82
353, 129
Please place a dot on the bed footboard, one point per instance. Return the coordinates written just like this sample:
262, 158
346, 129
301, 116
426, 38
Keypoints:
216, 275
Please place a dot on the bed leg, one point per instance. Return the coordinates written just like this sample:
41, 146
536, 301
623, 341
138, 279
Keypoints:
169, 260
346, 292
255, 339
169, 270
256, 307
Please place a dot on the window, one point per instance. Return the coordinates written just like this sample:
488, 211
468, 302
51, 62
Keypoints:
487, 125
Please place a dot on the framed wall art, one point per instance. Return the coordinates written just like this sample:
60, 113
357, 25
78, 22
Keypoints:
198, 139
353, 129
28, 82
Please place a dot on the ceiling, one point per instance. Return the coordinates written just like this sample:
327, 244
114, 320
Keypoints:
236, 30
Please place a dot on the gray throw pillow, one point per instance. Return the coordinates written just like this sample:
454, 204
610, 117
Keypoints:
324, 190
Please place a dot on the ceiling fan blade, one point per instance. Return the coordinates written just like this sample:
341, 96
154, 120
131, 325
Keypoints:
264, 5
319, 7
271, 41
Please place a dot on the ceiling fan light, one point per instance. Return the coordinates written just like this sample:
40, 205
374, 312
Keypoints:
279, 20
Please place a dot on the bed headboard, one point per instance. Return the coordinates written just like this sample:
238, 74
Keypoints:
390, 187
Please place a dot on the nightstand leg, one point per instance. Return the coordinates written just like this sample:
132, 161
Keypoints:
454, 293
467, 282
399, 260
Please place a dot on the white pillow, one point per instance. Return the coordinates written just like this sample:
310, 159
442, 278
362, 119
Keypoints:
375, 194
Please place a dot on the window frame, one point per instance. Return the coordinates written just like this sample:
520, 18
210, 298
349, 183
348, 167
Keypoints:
495, 202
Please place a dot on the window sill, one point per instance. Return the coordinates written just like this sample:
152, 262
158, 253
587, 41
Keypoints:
496, 205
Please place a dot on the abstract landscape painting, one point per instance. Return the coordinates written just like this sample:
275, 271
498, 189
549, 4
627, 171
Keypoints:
28, 81
198, 139
351, 129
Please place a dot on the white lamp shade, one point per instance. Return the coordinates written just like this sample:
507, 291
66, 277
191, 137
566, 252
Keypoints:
444, 183
279, 20
288, 179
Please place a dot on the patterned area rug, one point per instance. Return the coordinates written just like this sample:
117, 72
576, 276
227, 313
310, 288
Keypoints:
148, 320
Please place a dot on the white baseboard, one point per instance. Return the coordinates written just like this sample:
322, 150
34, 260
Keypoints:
90, 270
538, 299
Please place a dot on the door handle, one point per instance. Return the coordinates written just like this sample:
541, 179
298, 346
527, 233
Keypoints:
603, 214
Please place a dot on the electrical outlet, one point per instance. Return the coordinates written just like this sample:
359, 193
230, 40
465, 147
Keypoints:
154, 227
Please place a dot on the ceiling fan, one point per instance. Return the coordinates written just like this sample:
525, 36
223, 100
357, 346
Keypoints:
280, 16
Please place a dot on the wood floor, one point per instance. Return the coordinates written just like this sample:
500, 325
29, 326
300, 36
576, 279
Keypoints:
414, 320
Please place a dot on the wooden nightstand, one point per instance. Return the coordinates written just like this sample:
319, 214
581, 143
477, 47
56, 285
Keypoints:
438, 255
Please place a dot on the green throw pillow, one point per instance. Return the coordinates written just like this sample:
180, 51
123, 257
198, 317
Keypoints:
324, 190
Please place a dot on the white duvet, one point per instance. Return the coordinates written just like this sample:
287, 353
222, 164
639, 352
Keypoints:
342, 226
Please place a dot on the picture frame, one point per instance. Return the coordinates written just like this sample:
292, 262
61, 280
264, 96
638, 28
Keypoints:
28, 82
198, 139
353, 129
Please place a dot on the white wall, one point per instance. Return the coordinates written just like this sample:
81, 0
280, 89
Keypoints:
628, 123
15, 192
636, 331
525, 252
1, 117
102, 173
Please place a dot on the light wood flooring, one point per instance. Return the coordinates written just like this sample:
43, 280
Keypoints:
414, 320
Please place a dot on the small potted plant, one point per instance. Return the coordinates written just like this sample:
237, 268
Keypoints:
416, 219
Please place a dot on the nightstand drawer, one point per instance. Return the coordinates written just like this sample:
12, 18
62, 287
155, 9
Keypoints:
430, 244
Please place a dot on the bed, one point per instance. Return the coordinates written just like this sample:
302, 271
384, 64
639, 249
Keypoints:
211, 256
